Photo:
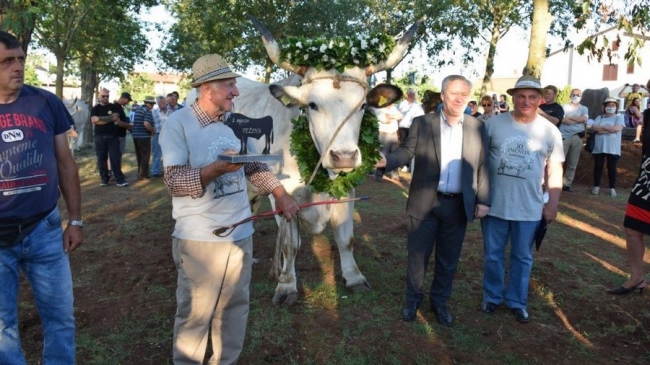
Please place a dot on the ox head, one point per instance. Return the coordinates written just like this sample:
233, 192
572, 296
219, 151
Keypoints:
334, 101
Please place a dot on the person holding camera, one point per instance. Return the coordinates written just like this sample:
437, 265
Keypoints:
635, 93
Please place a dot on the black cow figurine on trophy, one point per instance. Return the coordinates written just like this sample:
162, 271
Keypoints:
245, 127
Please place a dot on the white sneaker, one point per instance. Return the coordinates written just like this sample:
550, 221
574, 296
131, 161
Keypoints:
595, 190
123, 184
612, 193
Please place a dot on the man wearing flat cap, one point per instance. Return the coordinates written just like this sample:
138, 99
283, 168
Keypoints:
214, 272
522, 145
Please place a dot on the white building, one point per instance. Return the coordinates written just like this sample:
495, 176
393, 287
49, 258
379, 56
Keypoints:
586, 72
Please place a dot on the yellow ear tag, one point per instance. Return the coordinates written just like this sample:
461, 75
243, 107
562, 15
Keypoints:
382, 101
285, 100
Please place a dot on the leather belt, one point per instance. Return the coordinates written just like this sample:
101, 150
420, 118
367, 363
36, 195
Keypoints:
449, 195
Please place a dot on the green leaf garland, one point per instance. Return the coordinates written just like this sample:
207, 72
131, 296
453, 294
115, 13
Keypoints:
338, 53
303, 149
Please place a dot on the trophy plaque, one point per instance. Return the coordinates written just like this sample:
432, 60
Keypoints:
245, 127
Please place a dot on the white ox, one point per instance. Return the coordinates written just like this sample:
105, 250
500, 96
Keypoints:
330, 97
80, 113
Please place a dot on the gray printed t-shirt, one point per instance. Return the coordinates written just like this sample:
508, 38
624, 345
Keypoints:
518, 157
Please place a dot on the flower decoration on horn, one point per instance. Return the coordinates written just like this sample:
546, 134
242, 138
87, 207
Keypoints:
338, 53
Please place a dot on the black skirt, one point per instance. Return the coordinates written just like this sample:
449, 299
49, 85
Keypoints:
637, 213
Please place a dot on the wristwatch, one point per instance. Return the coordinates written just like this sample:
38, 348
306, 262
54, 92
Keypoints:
78, 223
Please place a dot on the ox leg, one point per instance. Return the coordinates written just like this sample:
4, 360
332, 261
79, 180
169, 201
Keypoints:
288, 241
342, 224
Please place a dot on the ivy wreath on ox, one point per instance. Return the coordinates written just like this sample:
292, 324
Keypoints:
303, 149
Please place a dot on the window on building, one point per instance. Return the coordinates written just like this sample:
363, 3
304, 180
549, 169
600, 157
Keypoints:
615, 45
610, 72
630, 68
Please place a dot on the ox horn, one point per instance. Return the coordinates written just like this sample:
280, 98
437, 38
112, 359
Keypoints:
71, 104
398, 52
272, 48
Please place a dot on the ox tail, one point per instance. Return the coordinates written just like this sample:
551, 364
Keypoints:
276, 267
285, 234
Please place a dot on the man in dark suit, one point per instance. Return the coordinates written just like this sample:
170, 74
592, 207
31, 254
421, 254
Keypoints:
449, 188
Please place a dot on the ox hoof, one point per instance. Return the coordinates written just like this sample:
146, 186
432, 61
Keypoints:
361, 287
285, 299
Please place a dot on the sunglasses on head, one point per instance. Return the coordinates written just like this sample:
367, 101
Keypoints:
572, 95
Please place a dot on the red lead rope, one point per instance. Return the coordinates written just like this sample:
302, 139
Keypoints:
225, 231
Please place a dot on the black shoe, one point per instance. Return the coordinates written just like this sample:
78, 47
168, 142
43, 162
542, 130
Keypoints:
410, 311
621, 290
520, 314
489, 308
443, 315
567, 188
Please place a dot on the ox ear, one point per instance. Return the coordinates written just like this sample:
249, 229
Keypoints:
383, 95
430, 101
289, 96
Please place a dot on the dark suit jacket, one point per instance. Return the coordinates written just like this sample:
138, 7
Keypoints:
423, 142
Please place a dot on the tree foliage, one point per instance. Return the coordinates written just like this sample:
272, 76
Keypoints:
99, 34
19, 17
205, 26
628, 16
30, 77
139, 85
475, 26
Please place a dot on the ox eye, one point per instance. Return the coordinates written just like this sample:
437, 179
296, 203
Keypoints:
313, 106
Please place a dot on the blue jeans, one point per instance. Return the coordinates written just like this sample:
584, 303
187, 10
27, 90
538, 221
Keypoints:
42, 260
496, 232
156, 165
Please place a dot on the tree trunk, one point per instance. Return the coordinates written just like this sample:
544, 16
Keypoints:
541, 24
489, 66
88, 85
88, 80
60, 61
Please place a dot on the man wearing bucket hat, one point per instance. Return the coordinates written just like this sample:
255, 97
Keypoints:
522, 144
213, 272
